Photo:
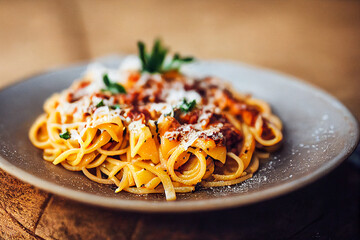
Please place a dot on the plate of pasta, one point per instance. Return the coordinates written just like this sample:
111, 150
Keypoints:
160, 132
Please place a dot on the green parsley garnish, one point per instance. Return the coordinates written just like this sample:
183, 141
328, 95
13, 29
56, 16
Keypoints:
116, 106
100, 104
155, 61
66, 135
167, 114
187, 106
113, 87
177, 61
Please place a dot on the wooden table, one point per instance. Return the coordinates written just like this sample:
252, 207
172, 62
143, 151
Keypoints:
317, 41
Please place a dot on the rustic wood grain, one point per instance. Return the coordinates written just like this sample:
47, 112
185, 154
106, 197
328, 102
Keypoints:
11, 229
64, 219
23, 201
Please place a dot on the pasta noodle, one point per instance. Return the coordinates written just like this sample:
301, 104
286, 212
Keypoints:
157, 133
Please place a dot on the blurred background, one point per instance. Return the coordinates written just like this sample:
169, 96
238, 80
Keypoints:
318, 41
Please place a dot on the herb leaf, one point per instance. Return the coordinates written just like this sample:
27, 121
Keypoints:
66, 135
155, 61
142, 54
187, 59
106, 80
187, 106
113, 87
100, 104
116, 106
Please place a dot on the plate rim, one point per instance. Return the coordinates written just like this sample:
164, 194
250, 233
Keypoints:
191, 205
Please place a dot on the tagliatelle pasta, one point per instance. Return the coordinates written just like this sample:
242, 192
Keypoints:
155, 132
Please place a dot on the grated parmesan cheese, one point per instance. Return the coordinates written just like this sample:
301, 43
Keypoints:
130, 63
175, 97
136, 126
75, 136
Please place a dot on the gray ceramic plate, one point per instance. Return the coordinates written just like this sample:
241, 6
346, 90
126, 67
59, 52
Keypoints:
319, 133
